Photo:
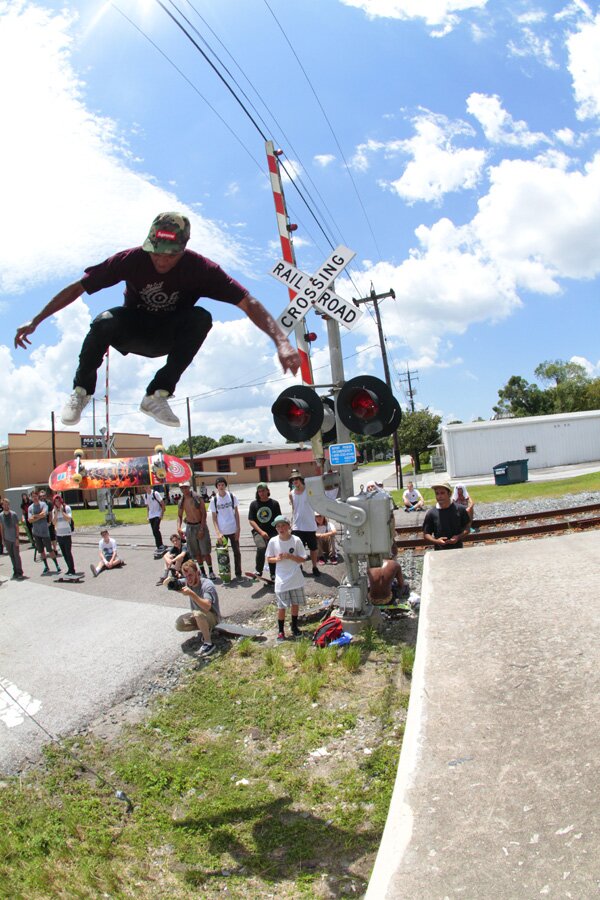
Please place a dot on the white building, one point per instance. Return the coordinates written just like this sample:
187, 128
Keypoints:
545, 441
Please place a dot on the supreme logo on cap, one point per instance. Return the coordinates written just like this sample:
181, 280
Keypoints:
166, 235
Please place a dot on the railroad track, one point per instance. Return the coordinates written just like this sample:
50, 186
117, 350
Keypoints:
504, 528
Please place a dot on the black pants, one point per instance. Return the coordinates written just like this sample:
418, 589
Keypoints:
64, 542
155, 526
178, 336
261, 552
237, 556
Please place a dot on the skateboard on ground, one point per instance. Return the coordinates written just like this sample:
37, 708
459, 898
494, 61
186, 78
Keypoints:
239, 630
119, 472
256, 577
72, 579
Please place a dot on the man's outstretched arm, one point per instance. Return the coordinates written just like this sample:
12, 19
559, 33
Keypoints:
256, 312
63, 298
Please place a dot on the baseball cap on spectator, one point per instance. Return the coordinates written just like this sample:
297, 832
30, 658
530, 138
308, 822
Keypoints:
184, 484
278, 520
442, 484
221, 480
169, 233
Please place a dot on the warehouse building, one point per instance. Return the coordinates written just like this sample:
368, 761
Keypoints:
545, 441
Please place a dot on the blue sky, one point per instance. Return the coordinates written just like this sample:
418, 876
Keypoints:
452, 144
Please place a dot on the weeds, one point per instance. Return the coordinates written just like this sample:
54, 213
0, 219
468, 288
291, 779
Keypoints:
407, 660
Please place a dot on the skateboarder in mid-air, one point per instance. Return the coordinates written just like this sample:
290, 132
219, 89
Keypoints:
163, 282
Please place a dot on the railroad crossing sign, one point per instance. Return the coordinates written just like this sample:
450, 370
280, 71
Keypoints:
313, 291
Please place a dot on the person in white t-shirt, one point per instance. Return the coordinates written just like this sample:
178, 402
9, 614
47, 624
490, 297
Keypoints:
303, 520
413, 499
226, 519
108, 554
156, 509
286, 552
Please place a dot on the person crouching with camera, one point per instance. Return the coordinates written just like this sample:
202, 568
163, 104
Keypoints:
204, 604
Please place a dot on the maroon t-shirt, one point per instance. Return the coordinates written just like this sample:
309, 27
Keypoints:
193, 277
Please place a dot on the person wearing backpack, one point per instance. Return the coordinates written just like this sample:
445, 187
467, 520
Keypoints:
286, 551
156, 510
226, 519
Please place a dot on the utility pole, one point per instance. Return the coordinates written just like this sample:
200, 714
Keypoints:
190, 444
411, 391
53, 440
374, 298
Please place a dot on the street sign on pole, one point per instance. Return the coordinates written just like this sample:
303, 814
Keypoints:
342, 454
312, 291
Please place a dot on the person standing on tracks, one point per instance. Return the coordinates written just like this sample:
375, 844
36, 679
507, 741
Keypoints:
193, 507
447, 525
261, 515
163, 282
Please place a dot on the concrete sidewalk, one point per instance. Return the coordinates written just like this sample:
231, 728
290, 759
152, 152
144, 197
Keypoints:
497, 788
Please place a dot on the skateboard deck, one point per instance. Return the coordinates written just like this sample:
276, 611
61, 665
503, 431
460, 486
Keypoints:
239, 630
223, 561
74, 579
256, 577
119, 472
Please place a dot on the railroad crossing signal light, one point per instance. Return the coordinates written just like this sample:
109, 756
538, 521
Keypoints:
329, 430
298, 413
366, 405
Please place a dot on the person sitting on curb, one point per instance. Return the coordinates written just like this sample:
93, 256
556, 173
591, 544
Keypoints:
108, 554
461, 497
446, 526
386, 581
326, 534
412, 498
204, 604
286, 551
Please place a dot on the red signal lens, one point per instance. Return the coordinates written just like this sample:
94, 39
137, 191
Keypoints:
364, 405
297, 414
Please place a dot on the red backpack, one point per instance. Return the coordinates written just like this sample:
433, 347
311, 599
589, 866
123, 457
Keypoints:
328, 631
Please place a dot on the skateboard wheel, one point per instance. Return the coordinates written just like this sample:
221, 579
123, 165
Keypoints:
77, 478
159, 448
160, 473
78, 453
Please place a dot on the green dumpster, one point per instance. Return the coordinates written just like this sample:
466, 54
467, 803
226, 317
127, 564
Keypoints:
514, 471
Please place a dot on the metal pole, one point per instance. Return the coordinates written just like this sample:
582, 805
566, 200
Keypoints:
190, 445
53, 441
386, 369
343, 436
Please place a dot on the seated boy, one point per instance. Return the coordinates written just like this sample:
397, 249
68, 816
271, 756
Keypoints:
108, 554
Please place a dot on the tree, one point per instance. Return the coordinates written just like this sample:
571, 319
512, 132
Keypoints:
201, 443
228, 439
519, 398
417, 431
558, 371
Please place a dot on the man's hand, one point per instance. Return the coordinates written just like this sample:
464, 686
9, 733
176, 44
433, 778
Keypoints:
288, 357
22, 335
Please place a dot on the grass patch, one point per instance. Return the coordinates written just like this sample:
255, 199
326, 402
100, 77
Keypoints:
491, 493
251, 778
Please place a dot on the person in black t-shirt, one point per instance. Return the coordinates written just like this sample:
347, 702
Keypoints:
163, 282
261, 514
446, 526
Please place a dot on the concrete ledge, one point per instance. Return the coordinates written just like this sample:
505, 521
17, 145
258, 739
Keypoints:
498, 780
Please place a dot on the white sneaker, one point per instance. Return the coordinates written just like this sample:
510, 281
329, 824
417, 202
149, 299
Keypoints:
74, 406
156, 405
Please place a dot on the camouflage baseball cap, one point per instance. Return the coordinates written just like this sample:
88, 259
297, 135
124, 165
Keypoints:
169, 233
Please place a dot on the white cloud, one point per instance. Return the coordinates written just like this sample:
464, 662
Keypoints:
324, 159
584, 65
440, 15
437, 167
535, 45
65, 154
498, 125
592, 369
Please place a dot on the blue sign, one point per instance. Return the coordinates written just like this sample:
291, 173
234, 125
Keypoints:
342, 454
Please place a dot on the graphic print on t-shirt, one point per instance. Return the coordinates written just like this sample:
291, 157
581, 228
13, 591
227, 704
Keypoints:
154, 299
